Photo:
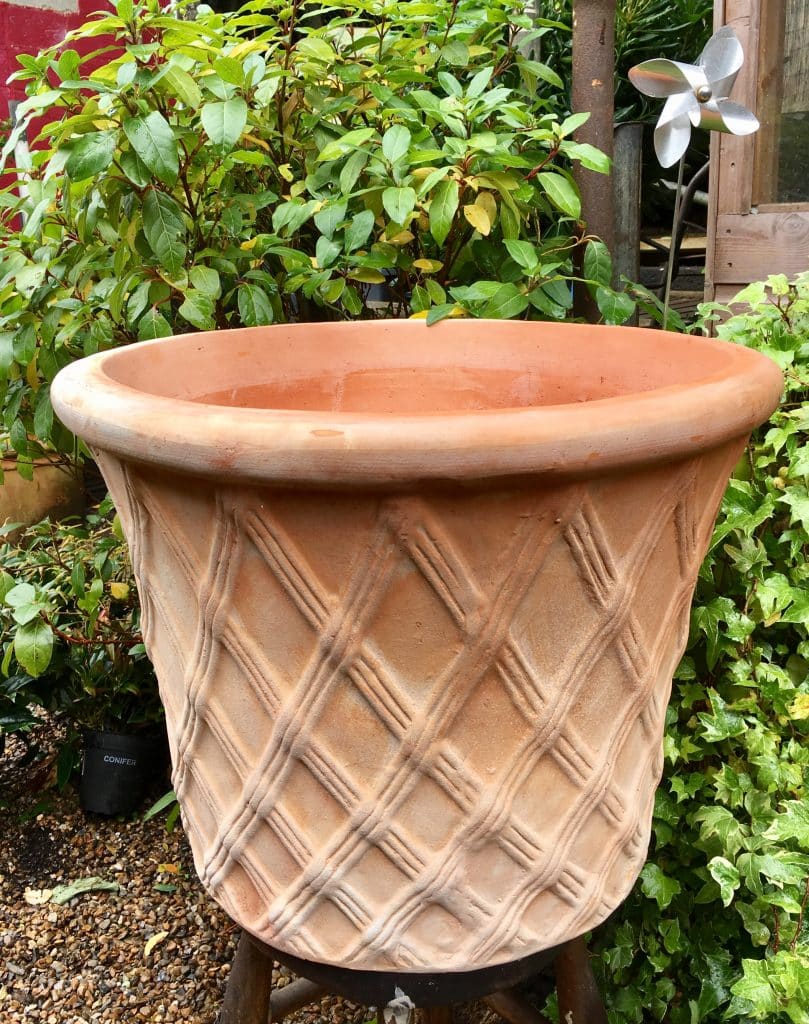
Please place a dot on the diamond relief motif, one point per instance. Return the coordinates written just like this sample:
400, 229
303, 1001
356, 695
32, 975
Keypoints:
448, 758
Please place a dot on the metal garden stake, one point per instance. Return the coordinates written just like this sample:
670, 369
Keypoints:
696, 95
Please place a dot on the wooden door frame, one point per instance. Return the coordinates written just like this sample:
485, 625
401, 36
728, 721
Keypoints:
748, 242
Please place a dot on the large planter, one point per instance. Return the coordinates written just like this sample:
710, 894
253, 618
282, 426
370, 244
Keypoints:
55, 491
414, 597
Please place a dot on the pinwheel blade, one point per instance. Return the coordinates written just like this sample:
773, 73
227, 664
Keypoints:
661, 77
671, 140
675, 108
710, 117
738, 120
722, 58
721, 88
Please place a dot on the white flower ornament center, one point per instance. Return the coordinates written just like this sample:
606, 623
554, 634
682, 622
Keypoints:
695, 94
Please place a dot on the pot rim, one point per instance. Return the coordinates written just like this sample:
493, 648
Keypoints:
289, 446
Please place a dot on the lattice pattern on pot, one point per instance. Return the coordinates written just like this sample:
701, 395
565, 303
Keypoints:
356, 813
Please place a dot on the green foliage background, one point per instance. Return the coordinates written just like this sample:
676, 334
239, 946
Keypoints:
717, 928
256, 168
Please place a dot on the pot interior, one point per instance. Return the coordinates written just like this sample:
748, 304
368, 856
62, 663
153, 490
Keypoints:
405, 368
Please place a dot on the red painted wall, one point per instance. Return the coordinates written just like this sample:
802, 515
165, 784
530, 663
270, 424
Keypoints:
29, 29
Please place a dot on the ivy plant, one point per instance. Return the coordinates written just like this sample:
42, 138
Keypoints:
255, 168
718, 926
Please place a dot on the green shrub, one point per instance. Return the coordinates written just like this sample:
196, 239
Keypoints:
718, 926
70, 628
251, 168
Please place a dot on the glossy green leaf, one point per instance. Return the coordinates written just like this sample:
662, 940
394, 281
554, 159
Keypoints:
25, 602
328, 219
395, 144
443, 207
420, 299
206, 280
441, 312
164, 227
224, 122
659, 886
573, 123
316, 48
255, 308
67, 66
198, 309
153, 325
179, 83
507, 302
18, 437
561, 192
755, 991
479, 82
791, 822
588, 156
351, 140
352, 169
134, 168
615, 307
33, 646
399, 203
726, 876
43, 414
289, 217
523, 253
359, 230
230, 70
91, 154
597, 265
326, 251
153, 140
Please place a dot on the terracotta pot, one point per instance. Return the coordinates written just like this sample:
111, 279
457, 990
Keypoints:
55, 491
415, 596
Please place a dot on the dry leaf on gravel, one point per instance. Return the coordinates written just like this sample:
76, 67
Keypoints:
64, 893
36, 897
155, 940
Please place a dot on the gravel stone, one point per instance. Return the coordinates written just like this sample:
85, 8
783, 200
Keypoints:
84, 962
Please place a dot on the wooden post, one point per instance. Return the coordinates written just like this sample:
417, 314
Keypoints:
592, 91
626, 176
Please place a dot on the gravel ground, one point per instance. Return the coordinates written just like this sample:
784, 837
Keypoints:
157, 949
154, 949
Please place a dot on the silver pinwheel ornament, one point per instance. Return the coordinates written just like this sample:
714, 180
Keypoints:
696, 95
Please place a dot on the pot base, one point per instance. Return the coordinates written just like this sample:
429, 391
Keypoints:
427, 988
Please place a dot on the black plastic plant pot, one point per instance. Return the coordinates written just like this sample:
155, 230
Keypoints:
117, 770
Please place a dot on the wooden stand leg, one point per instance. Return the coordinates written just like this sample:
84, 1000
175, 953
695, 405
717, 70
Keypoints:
436, 1015
292, 997
514, 1008
247, 997
579, 998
